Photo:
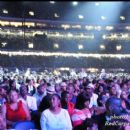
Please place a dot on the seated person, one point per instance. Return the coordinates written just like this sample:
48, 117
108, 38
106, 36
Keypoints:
15, 110
30, 101
2, 122
88, 124
81, 111
55, 117
40, 93
124, 100
66, 103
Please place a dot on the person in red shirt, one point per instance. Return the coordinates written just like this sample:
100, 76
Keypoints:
15, 111
81, 111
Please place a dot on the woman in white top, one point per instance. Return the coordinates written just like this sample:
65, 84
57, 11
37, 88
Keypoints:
55, 117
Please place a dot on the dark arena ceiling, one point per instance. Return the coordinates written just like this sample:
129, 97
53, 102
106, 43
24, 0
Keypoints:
88, 12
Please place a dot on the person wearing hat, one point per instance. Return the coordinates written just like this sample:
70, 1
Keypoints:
40, 93
44, 104
45, 101
89, 90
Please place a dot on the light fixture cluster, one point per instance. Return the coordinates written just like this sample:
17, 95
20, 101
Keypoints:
5, 11
61, 54
116, 36
64, 26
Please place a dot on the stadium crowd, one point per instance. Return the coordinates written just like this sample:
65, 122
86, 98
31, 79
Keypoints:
54, 100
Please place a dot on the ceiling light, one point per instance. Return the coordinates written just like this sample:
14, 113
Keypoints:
31, 13
80, 47
80, 16
103, 17
56, 45
52, 2
56, 15
102, 47
5, 11
118, 47
75, 3
30, 45
122, 17
97, 3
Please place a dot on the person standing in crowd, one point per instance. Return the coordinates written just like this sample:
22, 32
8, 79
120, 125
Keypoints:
13, 85
76, 87
63, 86
55, 117
58, 89
101, 91
40, 93
89, 90
70, 90
125, 101
113, 91
30, 87
3, 94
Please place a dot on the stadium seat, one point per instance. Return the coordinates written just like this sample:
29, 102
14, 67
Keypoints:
24, 125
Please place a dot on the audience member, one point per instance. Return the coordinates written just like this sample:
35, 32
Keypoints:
55, 118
